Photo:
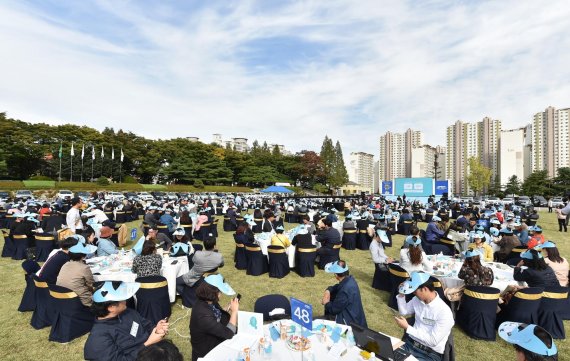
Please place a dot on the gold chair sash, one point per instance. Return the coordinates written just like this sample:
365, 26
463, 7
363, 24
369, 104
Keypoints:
240, 245
271, 250
555, 295
44, 238
19, 236
398, 273
482, 296
528, 296
41, 284
349, 231
63, 295
253, 249
306, 250
154, 285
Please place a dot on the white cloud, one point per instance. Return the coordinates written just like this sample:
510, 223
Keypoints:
164, 73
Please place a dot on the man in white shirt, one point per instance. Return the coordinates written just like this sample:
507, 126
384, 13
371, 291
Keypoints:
426, 339
73, 218
96, 213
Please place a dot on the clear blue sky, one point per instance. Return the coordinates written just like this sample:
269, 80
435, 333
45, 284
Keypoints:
285, 72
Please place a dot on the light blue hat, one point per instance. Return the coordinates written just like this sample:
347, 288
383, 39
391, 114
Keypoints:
279, 228
413, 240
32, 219
523, 336
81, 247
179, 232
411, 284
218, 282
436, 219
535, 229
548, 244
138, 247
334, 267
383, 236
472, 253
115, 291
79, 238
494, 231
179, 249
528, 254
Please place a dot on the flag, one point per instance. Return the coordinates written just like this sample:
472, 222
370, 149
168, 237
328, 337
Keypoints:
122, 155
72, 152
113, 153
83, 151
93, 152
102, 153
60, 150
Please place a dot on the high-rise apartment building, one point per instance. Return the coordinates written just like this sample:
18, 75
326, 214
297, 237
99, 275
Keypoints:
361, 170
549, 140
466, 140
395, 156
423, 161
238, 144
512, 154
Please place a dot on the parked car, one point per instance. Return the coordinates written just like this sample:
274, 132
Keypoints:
83, 195
493, 200
171, 196
524, 201
4, 196
114, 196
183, 194
159, 196
23, 195
508, 200
130, 195
539, 201
557, 201
146, 196
63, 194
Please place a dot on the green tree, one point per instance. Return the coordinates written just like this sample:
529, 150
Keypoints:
537, 183
561, 183
328, 159
495, 187
513, 185
258, 175
339, 175
479, 176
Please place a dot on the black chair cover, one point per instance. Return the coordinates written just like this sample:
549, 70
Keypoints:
278, 262
349, 239
71, 318
9, 248
305, 261
381, 280
21, 243
523, 307
240, 257
552, 306
329, 255
256, 261
397, 276
268, 303
45, 243
28, 302
153, 301
43, 313
478, 312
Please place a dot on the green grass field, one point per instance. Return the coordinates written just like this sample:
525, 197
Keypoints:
19, 341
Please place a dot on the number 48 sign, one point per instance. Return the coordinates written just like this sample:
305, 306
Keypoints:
302, 313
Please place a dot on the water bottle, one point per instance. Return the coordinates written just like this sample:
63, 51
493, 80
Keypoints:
350, 338
372, 356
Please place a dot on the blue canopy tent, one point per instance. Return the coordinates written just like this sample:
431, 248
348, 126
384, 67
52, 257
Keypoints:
276, 189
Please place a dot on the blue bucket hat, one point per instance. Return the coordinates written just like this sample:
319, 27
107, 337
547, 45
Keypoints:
472, 253
523, 336
138, 247
218, 282
383, 236
334, 267
179, 232
436, 219
528, 254
414, 282
507, 231
279, 228
81, 247
535, 229
413, 240
494, 231
548, 244
115, 291
179, 249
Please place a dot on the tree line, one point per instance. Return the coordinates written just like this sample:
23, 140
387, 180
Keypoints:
33, 151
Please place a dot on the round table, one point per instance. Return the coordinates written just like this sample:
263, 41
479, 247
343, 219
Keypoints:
229, 350
264, 240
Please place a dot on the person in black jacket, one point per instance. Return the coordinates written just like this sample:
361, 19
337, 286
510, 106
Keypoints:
328, 237
119, 333
303, 239
536, 273
210, 325
50, 269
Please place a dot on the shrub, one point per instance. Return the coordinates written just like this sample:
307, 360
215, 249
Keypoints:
40, 178
129, 179
321, 188
102, 181
198, 184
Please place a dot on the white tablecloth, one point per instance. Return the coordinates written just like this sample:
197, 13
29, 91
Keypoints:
264, 242
229, 349
119, 270
449, 269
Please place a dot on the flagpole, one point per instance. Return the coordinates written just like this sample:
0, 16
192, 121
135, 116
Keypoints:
92, 159
82, 154
60, 156
102, 157
121, 167
71, 173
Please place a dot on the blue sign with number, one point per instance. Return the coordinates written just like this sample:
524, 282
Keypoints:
133, 234
302, 313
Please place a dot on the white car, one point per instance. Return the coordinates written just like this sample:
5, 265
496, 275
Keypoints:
62, 194
557, 201
508, 200
146, 196
24, 195
114, 196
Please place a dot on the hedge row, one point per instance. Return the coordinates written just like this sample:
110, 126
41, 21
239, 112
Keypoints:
89, 187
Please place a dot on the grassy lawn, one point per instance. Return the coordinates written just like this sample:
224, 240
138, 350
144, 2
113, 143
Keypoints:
19, 341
